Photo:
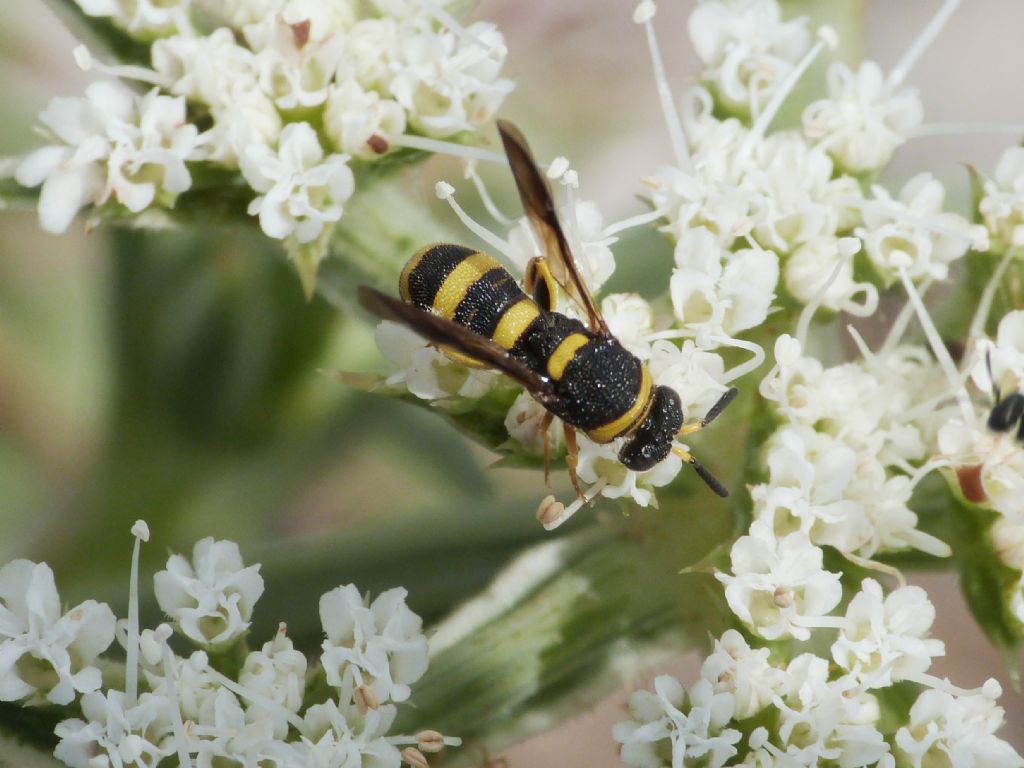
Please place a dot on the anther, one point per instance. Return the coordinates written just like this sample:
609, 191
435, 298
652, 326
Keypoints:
366, 699
414, 758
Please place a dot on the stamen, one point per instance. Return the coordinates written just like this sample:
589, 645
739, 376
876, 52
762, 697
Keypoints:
485, 197
256, 698
450, 21
633, 221
444, 148
131, 675
899, 212
942, 684
741, 370
446, 192
967, 129
874, 565
414, 758
977, 329
826, 37
938, 348
899, 326
644, 13
803, 325
920, 45
163, 633
86, 63
556, 517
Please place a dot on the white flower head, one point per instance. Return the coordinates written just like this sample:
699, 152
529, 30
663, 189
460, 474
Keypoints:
822, 720
334, 735
278, 673
825, 260
46, 656
996, 457
955, 730
885, 640
599, 466
449, 82
778, 585
112, 144
746, 47
144, 18
1002, 206
379, 645
359, 121
863, 120
695, 374
301, 192
114, 733
914, 233
224, 736
734, 667
210, 599
630, 319
717, 292
672, 725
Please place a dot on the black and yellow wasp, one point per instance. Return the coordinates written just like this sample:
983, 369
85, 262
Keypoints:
468, 305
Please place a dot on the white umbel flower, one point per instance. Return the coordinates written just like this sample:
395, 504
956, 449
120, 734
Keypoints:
46, 656
117, 734
1002, 206
915, 233
863, 120
111, 144
301, 192
210, 599
746, 47
885, 640
278, 673
379, 645
339, 736
778, 585
734, 667
955, 730
673, 726
359, 121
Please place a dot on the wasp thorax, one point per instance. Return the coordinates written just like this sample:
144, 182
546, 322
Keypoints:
652, 442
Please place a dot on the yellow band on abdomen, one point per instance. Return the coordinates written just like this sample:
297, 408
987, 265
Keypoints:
514, 322
564, 353
632, 418
455, 286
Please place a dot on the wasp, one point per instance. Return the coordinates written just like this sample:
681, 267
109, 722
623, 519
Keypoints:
470, 307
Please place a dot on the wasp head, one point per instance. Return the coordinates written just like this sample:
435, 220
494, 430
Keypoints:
652, 442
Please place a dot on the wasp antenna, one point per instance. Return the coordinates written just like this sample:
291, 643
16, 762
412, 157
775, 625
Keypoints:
703, 472
723, 402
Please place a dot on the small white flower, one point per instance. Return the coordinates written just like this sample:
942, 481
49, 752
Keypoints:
112, 144
599, 464
886, 641
913, 232
114, 734
1006, 355
446, 82
225, 736
957, 731
695, 374
813, 263
340, 736
717, 292
863, 120
44, 656
143, 18
1002, 207
210, 599
999, 457
357, 121
379, 645
278, 673
689, 724
630, 319
734, 667
746, 47
778, 585
301, 191
523, 423
828, 720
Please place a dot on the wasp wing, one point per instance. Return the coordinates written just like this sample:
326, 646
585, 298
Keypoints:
443, 332
535, 194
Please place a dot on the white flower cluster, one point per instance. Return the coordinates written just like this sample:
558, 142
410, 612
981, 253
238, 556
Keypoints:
286, 90
746, 710
189, 711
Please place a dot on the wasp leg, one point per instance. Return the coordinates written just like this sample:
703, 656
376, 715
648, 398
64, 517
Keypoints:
540, 283
716, 410
545, 424
571, 458
701, 470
